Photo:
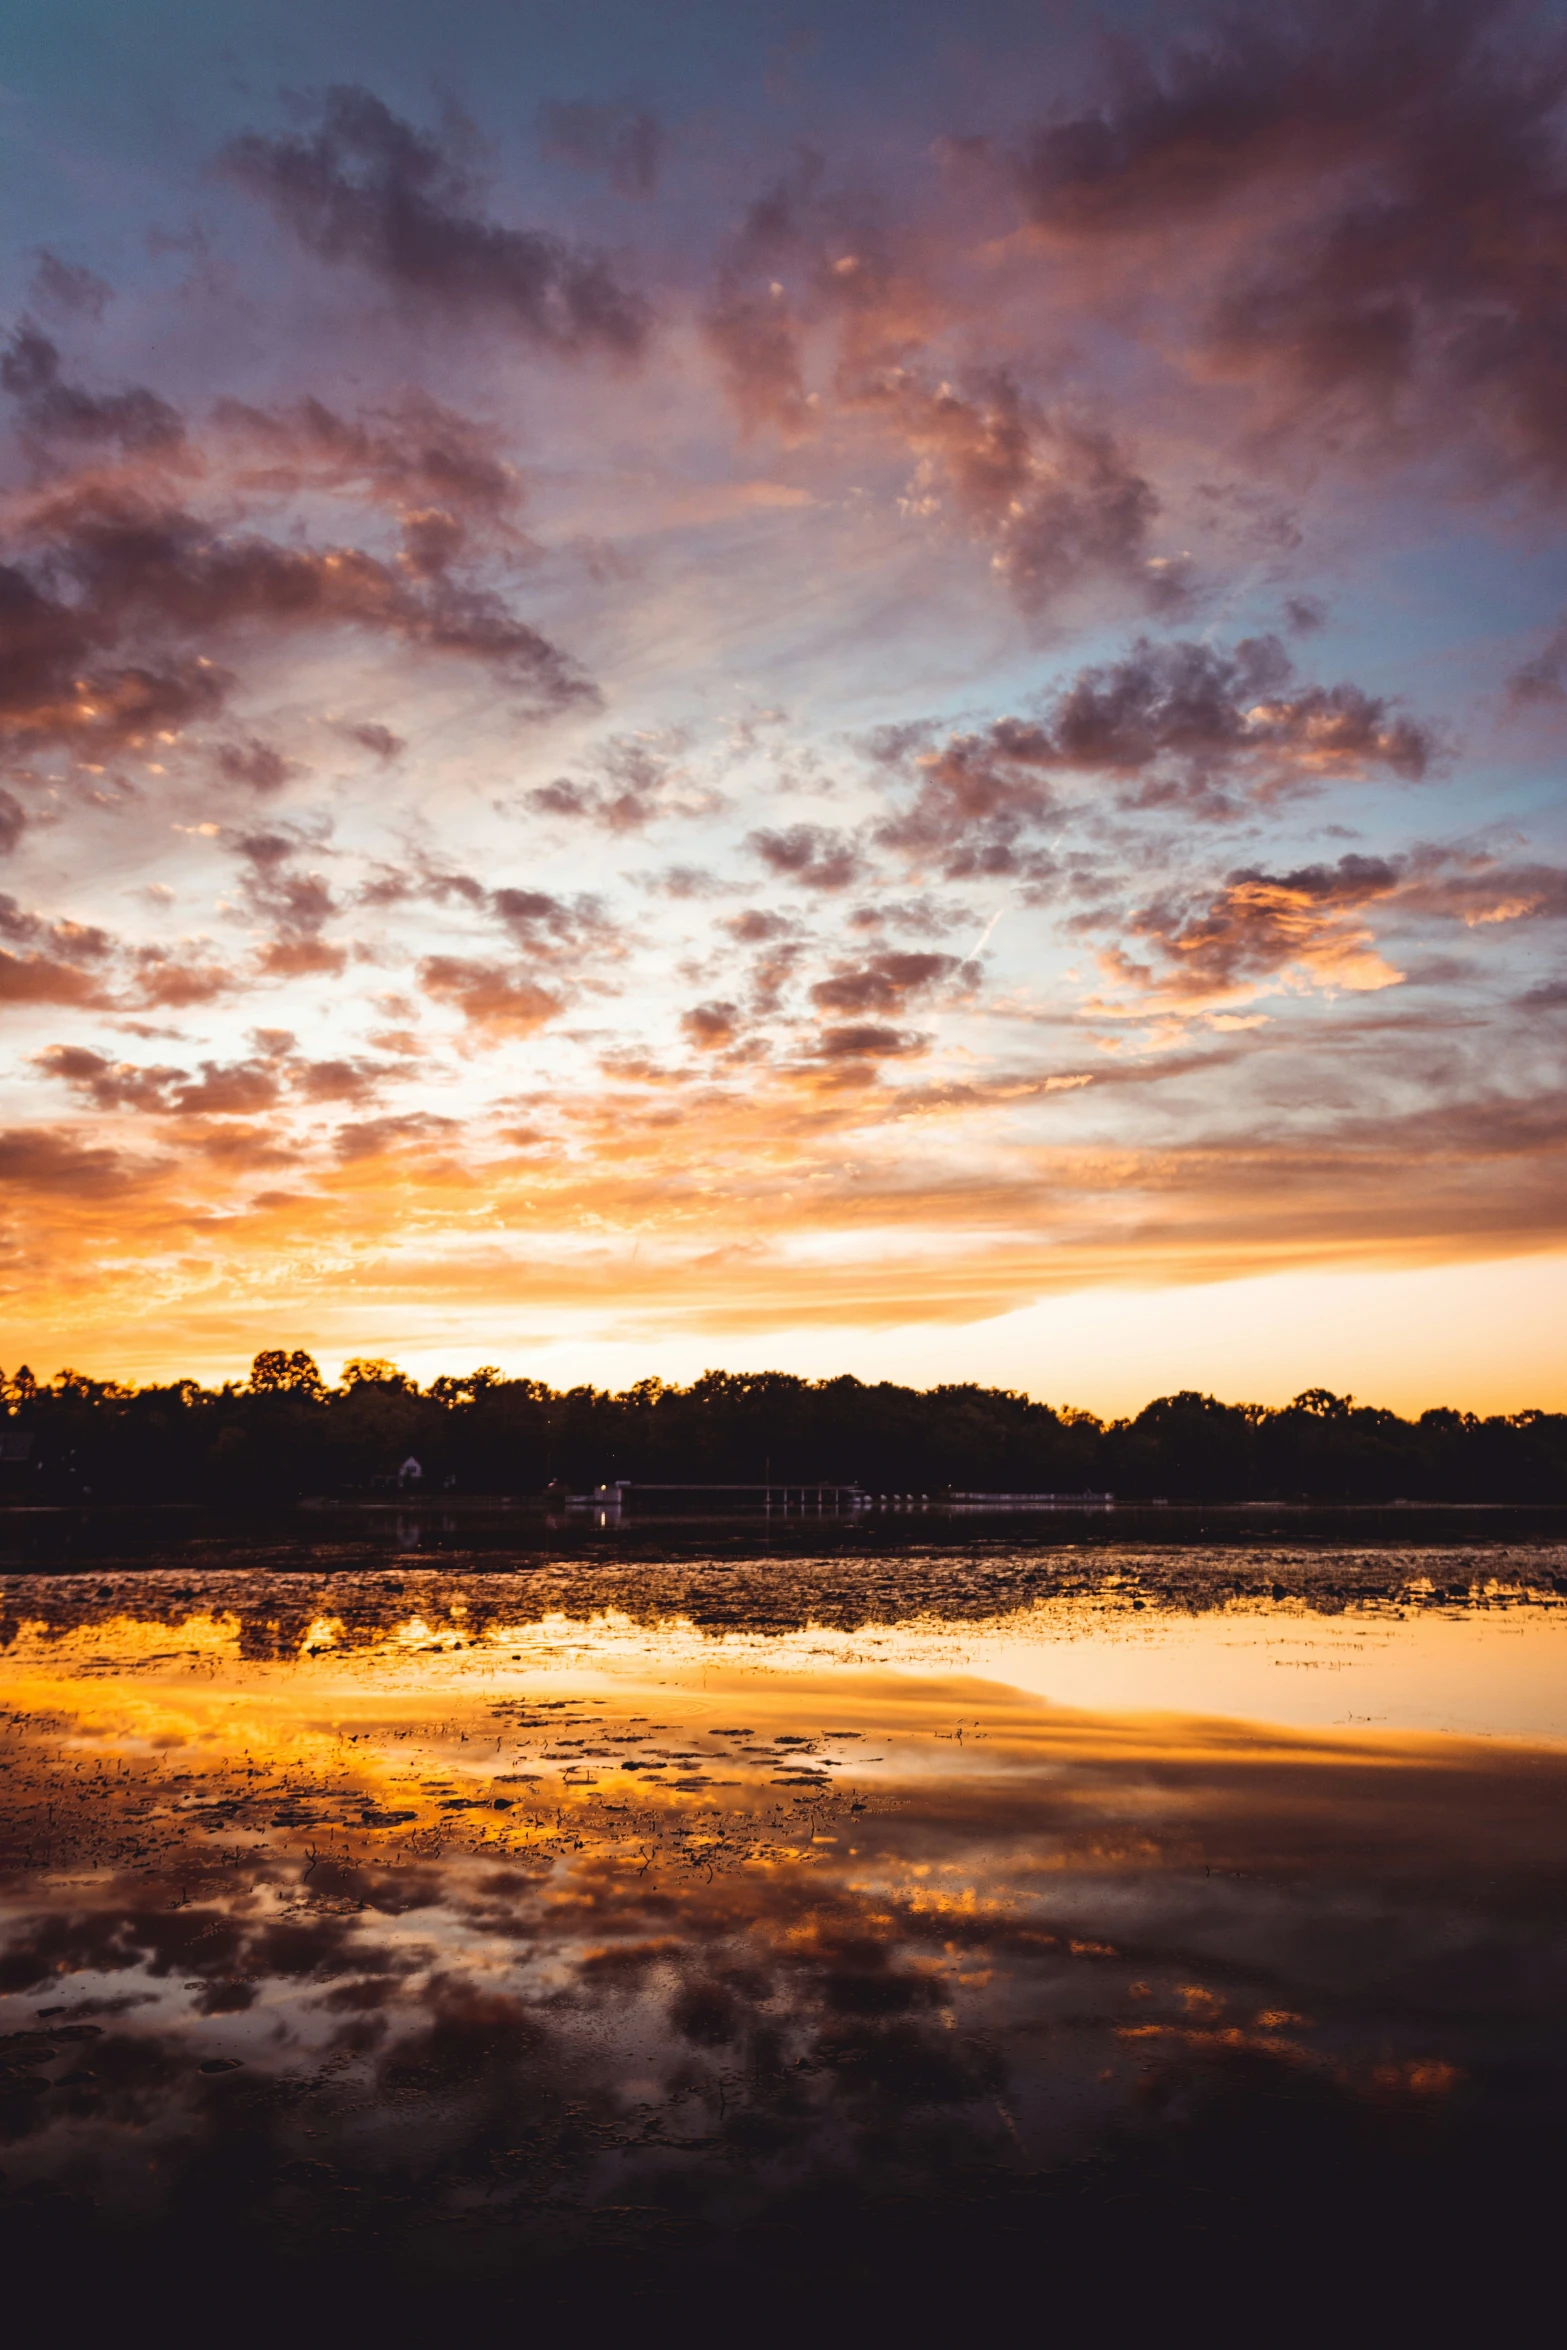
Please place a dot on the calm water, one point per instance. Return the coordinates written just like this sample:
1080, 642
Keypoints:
881, 1935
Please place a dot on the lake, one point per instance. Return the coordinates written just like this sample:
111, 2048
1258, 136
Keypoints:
895, 1932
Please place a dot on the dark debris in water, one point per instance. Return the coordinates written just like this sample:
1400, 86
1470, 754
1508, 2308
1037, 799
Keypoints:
277, 1601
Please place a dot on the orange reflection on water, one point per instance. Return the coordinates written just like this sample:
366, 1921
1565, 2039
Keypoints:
550, 1919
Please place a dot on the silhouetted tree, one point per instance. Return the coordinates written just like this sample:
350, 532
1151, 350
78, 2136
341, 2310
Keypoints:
285, 1434
276, 1373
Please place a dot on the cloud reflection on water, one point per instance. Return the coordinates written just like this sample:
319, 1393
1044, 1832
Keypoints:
570, 1933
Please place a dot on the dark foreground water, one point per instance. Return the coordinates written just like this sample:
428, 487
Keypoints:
973, 1937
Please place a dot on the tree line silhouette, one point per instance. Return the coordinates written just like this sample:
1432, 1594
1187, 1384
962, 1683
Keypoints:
283, 1434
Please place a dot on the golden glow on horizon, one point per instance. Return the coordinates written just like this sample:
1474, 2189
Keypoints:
1484, 1337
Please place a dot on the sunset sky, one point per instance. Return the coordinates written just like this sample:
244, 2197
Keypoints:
853, 687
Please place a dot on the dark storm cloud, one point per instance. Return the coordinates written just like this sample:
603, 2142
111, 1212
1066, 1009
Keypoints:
1239, 101
109, 594
1382, 194
1186, 725
116, 596
868, 1043
236, 1089
409, 452
814, 855
621, 793
106, 1084
291, 904
55, 685
565, 798
549, 927
559, 937
886, 982
255, 764
368, 188
436, 470
625, 143
136, 562
51, 409
241, 1089
296, 904
974, 798
1199, 709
